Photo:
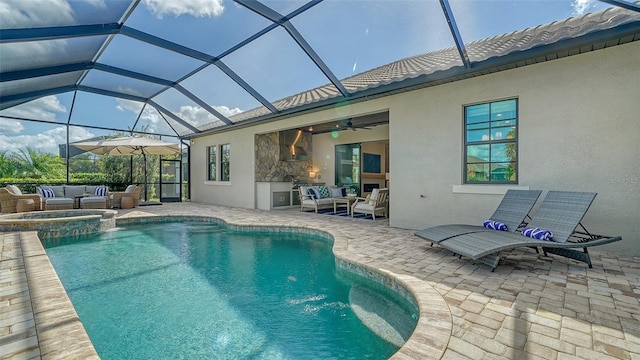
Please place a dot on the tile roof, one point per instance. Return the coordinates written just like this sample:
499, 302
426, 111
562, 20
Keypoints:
446, 65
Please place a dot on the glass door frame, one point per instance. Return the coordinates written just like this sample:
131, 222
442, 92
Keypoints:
347, 167
177, 182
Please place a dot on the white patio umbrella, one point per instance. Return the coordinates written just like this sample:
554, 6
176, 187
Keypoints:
129, 146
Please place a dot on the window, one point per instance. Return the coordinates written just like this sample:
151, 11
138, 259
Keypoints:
219, 164
212, 159
491, 139
225, 159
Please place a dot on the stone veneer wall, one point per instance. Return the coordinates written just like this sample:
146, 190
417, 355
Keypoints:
269, 167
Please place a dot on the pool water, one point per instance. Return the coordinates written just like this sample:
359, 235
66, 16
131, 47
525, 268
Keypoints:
200, 291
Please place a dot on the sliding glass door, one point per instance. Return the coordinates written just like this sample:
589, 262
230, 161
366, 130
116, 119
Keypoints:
348, 167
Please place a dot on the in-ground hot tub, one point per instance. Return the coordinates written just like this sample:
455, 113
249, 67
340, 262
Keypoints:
60, 223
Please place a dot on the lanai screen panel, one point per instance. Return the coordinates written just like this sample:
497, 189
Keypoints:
364, 35
184, 108
121, 84
36, 14
40, 83
46, 53
209, 28
102, 112
151, 121
138, 56
277, 67
220, 91
53, 108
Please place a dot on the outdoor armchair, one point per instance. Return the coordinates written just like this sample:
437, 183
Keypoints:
131, 191
10, 195
377, 203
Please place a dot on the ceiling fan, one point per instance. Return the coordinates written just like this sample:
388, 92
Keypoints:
349, 126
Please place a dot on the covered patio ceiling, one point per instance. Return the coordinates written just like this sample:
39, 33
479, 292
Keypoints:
210, 67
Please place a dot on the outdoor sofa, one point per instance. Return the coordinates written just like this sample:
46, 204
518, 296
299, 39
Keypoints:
61, 197
560, 213
319, 196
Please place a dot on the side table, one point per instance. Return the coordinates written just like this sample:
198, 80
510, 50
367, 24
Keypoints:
126, 202
347, 201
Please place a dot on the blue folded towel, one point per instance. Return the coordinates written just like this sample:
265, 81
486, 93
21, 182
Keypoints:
495, 225
536, 233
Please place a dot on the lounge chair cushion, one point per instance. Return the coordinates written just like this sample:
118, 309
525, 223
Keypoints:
13, 189
130, 189
47, 193
71, 191
58, 190
495, 225
60, 201
364, 206
374, 196
536, 233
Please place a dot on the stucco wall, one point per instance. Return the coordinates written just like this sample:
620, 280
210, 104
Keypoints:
579, 129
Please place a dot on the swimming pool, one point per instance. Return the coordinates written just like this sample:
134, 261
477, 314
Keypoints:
194, 290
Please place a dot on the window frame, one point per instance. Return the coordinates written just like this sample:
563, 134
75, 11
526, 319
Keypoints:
225, 164
212, 166
490, 142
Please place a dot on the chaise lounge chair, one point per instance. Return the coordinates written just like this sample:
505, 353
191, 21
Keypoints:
560, 212
512, 211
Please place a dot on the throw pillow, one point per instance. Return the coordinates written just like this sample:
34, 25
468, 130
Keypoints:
536, 233
495, 225
101, 191
344, 192
336, 192
314, 194
324, 191
14, 190
47, 193
130, 188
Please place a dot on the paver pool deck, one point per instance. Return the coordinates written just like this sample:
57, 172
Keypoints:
531, 307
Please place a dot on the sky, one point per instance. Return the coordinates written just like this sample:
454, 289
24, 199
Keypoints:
350, 36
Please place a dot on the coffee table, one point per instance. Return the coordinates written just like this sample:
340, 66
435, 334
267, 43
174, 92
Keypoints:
347, 201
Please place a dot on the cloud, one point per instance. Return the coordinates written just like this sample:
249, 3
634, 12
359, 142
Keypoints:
150, 118
46, 141
581, 7
226, 111
21, 13
44, 108
10, 126
195, 115
197, 8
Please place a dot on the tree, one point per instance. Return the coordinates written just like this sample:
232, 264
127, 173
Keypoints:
36, 164
8, 166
